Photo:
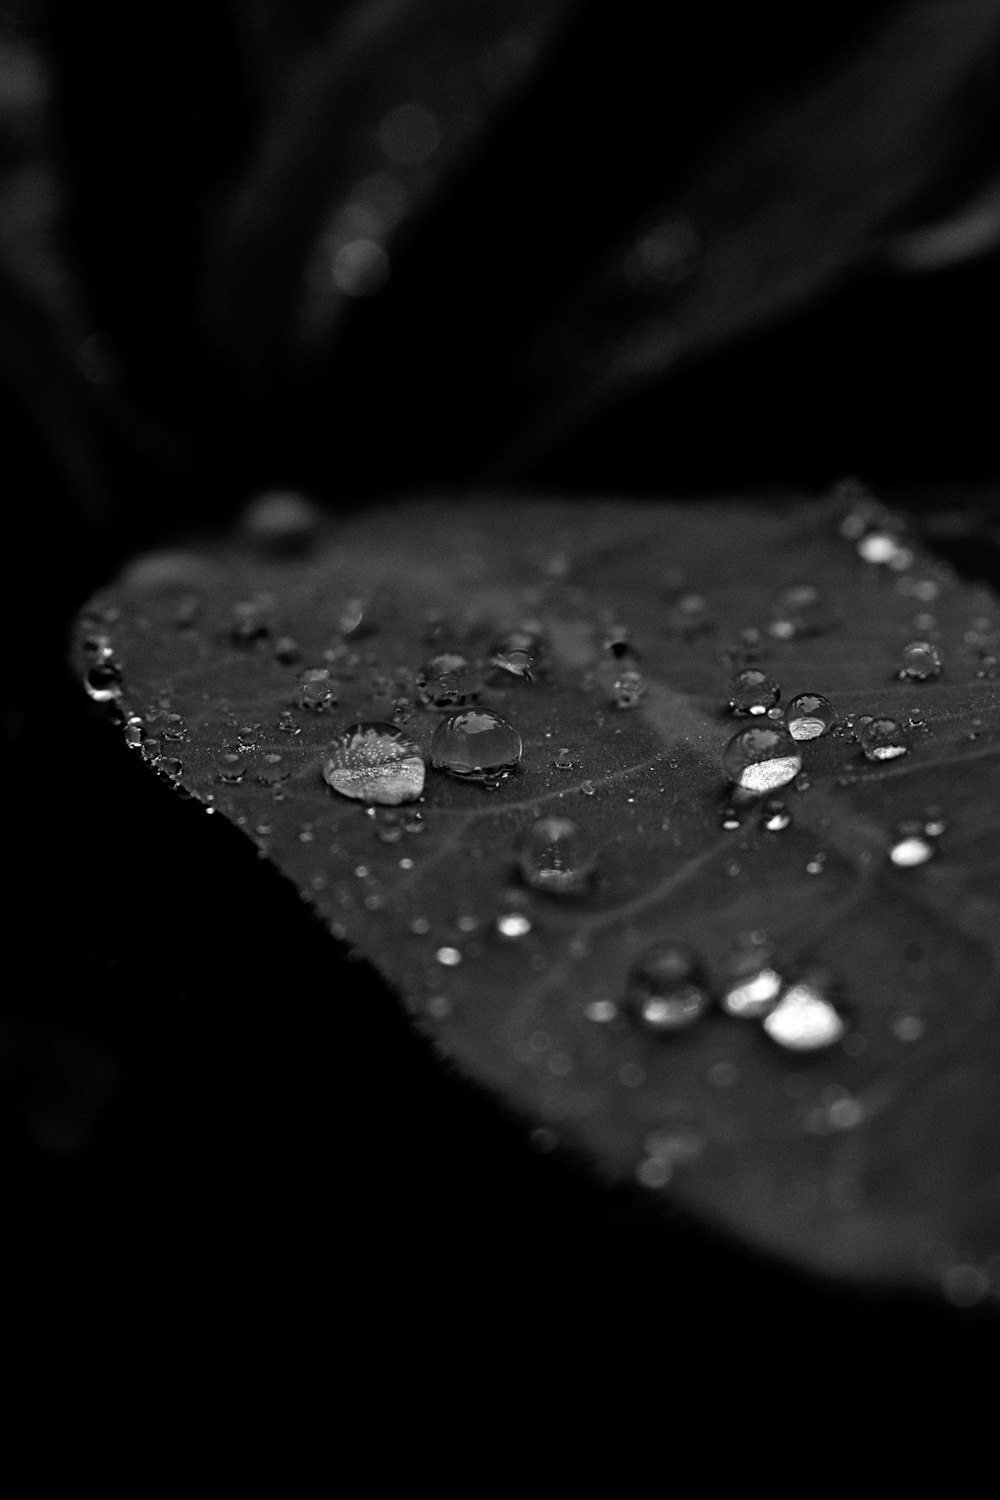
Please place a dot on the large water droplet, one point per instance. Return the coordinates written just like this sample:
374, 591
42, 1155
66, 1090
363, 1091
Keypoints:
808, 716
557, 858
882, 739
476, 745
761, 758
753, 692
920, 661
375, 762
805, 1018
666, 987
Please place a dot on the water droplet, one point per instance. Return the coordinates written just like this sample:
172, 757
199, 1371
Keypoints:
375, 762
555, 857
690, 615
885, 549
920, 661
753, 692
911, 848
805, 1019
908, 1028
666, 987
800, 611
752, 984
287, 650
761, 758
817, 864
625, 688
281, 520
360, 267
232, 769
515, 662
135, 733
250, 621
354, 619
808, 716
588, 789
317, 690
103, 681
774, 815
448, 681
513, 924
564, 760
601, 1011
882, 739
476, 745
965, 1286
449, 956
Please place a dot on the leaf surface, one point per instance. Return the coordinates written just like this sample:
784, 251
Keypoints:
876, 1159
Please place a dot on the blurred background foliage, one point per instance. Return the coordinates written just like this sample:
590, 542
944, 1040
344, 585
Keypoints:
356, 246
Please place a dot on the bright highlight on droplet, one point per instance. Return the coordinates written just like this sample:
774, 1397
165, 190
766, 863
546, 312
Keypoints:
513, 924
804, 1020
761, 758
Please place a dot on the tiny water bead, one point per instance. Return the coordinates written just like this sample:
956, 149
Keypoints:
805, 1019
808, 716
911, 850
920, 661
513, 924
774, 815
666, 989
476, 745
448, 681
557, 858
753, 692
882, 739
515, 663
761, 758
375, 762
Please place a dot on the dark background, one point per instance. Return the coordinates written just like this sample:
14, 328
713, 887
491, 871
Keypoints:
216, 1131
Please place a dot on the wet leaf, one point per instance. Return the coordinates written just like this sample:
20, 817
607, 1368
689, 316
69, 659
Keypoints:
875, 1158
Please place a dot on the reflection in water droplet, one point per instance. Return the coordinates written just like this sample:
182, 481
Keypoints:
882, 739
805, 1019
555, 857
808, 716
761, 758
513, 924
375, 762
920, 661
476, 745
753, 692
775, 815
666, 987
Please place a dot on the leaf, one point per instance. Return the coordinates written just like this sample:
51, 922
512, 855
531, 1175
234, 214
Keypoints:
874, 1160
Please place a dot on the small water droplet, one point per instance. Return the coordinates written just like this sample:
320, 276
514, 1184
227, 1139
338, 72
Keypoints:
817, 864
287, 650
250, 621
666, 988
601, 1011
587, 788
476, 745
135, 733
515, 662
232, 769
753, 692
774, 815
375, 762
752, 983
920, 661
690, 615
808, 716
448, 681
805, 1019
800, 611
761, 758
281, 520
624, 684
555, 857
884, 549
317, 690
882, 739
513, 924
103, 681
564, 760
449, 956
911, 848
908, 1028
